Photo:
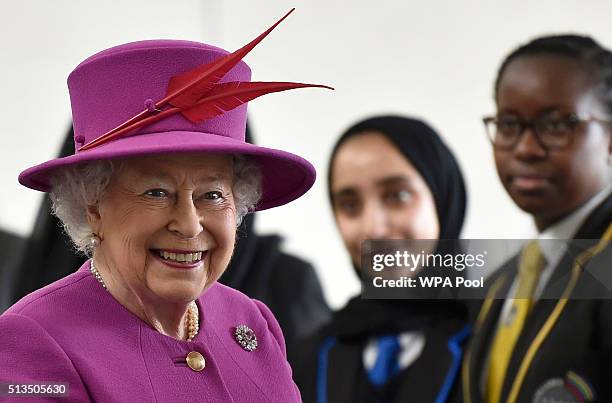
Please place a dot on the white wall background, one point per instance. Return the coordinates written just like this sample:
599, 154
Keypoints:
434, 59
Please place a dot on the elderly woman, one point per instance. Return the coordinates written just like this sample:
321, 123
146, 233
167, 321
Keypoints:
154, 195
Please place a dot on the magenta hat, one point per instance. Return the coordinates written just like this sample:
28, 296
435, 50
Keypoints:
123, 106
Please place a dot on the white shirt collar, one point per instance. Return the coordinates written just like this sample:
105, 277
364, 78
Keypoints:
568, 226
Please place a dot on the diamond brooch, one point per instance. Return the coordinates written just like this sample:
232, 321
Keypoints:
245, 336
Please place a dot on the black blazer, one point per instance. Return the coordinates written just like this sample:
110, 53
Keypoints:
328, 365
565, 347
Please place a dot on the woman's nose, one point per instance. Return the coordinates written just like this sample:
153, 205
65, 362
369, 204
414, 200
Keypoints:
375, 223
186, 220
529, 147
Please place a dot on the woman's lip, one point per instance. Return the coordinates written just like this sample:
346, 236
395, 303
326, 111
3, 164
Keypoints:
529, 183
181, 265
179, 250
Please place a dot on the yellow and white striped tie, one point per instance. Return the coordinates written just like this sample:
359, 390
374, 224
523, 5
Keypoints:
530, 267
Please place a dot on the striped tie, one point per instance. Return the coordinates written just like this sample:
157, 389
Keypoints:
530, 267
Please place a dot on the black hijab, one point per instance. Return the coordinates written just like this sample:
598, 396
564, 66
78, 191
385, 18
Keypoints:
426, 151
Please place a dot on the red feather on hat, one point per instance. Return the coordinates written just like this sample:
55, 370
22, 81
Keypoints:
187, 88
196, 94
227, 96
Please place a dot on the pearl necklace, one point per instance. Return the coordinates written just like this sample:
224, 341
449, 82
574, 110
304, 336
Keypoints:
193, 323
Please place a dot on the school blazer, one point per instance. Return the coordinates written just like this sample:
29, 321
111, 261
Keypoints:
564, 351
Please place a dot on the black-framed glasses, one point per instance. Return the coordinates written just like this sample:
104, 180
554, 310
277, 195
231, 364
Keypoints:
552, 132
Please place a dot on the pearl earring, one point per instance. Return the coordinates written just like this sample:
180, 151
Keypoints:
95, 240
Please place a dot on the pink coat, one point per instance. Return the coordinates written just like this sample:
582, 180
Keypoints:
74, 331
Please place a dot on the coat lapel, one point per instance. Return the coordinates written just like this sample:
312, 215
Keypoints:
588, 235
341, 378
475, 360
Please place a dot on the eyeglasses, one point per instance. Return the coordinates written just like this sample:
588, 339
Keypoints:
552, 132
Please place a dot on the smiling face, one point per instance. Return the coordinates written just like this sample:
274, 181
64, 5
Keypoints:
550, 184
167, 224
378, 194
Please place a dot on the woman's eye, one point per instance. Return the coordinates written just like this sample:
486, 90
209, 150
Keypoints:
508, 126
556, 126
397, 198
348, 207
400, 196
404, 195
157, 193
214, 195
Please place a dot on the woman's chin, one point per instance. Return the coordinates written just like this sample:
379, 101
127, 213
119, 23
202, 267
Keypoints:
171, 287
180, 281
177, 293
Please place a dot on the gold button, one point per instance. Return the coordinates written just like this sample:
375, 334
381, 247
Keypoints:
196, 361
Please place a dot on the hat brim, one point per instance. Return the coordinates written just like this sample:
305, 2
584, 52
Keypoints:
285, 176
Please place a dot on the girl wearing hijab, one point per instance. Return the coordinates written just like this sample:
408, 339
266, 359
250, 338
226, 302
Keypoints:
390, 177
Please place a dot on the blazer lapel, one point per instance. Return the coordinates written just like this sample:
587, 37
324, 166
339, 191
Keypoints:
588, 235
475, 360
597, 222
344, 369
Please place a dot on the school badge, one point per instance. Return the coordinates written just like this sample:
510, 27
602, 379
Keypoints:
572, 388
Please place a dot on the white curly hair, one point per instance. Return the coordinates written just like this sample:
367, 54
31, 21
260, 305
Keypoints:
79, 186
